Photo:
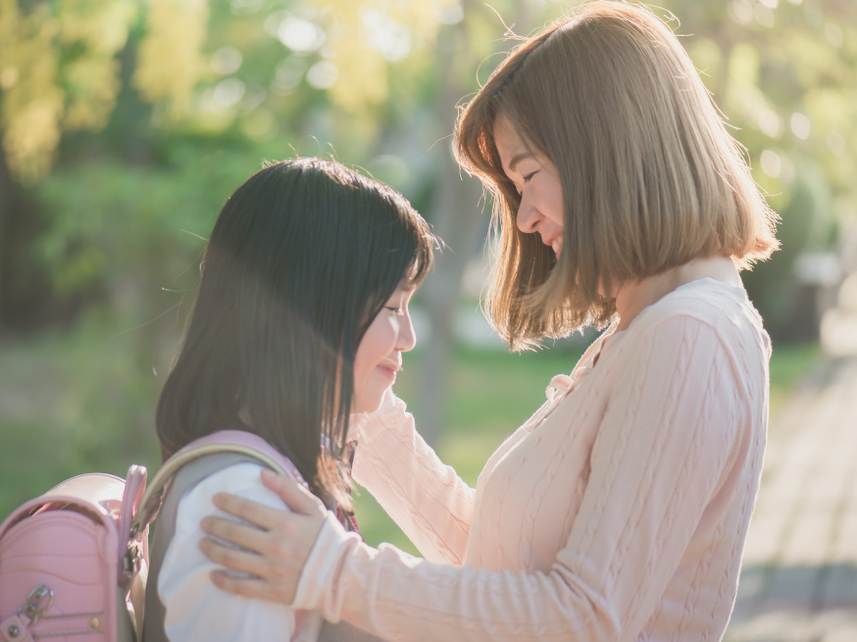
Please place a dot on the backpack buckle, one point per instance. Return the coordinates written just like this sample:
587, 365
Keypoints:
15, 629
133, 558
33, 609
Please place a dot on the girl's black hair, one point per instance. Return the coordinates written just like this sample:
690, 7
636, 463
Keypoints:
302, 257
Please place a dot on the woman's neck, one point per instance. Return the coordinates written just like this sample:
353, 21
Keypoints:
633, 297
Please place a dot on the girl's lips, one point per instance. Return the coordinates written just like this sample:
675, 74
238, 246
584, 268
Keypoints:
388, 371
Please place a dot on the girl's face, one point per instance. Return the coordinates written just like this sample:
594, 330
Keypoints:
379, 355
537, 181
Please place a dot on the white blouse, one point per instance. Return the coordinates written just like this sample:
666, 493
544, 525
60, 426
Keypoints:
198, 611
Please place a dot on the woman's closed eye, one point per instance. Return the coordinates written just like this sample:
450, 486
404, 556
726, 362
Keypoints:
525, 179
394, 309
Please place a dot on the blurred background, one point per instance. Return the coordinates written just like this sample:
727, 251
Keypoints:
125, 124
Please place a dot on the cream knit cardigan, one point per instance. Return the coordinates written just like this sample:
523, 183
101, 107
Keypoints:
618, 511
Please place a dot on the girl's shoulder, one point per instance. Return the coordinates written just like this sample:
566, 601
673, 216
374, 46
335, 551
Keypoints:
227, 461
239, 442
242, 479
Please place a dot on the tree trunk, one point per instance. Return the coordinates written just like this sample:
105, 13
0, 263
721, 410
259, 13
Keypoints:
6, 204
457, 219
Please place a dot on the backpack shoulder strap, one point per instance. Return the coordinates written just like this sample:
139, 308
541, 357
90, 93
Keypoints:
179, 474
224, 441
184, 479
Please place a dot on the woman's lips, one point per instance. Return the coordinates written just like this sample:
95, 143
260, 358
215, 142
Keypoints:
556, 245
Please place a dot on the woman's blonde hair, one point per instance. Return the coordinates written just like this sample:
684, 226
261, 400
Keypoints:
650, 177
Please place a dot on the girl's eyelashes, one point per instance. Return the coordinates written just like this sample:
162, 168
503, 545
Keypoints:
394, 309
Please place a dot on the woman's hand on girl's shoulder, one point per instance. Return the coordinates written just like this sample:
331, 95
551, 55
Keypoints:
275, 545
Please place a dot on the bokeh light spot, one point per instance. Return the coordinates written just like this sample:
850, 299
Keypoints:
322, 75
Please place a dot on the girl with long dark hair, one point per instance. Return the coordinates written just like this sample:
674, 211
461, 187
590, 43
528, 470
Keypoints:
300, 320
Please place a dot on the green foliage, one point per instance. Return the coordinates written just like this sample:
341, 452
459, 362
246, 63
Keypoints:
785, 74
71, 403
128, 138
58, 72
111, 225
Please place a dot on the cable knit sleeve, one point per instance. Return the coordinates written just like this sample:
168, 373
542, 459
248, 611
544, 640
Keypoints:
426, 498
663, 469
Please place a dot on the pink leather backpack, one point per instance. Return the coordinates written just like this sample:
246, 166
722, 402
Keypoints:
74, 561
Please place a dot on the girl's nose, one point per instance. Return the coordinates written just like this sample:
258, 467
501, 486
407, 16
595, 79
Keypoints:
407, 337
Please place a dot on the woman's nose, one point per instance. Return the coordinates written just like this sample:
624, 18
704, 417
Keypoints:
527, 217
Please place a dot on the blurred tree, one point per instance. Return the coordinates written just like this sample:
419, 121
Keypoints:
785, 74
124, 122
60, 73
455, 210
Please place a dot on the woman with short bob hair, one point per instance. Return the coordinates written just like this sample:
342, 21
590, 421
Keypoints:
619, 510
644, 190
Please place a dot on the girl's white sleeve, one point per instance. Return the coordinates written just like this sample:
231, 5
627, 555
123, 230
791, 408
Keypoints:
426, 498
198, 611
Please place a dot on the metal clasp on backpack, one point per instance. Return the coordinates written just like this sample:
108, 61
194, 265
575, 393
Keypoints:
133, 557
33, 608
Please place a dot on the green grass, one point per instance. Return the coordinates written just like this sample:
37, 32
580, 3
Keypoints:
29, 465
789, 365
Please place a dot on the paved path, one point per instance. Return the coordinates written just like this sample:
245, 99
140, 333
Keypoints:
799, 577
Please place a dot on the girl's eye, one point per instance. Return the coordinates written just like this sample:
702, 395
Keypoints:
529, 176
394, 309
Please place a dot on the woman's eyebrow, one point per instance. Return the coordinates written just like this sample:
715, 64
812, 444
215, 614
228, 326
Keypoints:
517, 158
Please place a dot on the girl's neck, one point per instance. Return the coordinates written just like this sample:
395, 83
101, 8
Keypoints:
633, 297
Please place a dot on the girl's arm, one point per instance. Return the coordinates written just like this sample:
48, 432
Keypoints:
196, 609
426, 498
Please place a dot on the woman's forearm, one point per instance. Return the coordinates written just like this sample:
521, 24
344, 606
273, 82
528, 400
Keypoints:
657, 540
427, 499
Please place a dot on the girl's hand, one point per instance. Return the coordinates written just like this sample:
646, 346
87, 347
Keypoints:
278, 546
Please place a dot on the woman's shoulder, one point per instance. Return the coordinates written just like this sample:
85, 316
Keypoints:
709, 301
704, 310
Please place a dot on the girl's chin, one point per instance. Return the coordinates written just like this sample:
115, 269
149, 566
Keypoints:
367, 404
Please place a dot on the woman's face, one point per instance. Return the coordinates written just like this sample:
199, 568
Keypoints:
537, 181
379, 355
